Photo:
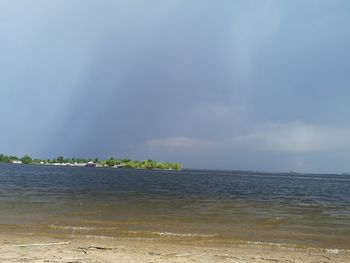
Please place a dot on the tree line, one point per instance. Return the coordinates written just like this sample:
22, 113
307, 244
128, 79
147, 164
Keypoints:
111, 162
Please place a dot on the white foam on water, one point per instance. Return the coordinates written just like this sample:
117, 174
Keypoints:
171, 234
72, 227
332, 251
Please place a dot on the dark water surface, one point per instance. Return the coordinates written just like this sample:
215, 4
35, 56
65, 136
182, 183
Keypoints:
192, 205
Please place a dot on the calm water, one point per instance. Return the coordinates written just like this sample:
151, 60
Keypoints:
193, 206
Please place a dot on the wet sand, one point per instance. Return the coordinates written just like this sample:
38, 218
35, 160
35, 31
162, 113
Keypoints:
24, 248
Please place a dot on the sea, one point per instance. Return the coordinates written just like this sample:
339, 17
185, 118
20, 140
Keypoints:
189, 206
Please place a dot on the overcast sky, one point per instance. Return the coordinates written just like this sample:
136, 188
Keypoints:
254, 85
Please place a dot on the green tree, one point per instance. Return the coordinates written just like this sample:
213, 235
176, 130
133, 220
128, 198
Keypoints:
26, 159
60, 159
111, 162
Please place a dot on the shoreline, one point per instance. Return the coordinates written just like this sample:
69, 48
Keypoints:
40, 248
93, 162
194, 238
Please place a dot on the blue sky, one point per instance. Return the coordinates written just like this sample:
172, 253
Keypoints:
255, 85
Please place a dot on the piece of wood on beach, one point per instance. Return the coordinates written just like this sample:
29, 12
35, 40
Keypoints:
101, 248
83, 249
42, 244
93, 247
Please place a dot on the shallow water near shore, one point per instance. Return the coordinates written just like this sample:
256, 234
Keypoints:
188, 206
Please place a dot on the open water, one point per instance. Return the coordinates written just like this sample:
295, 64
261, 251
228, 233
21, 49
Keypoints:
308, 210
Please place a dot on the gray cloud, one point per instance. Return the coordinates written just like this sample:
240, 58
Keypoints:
290, 145
293, 137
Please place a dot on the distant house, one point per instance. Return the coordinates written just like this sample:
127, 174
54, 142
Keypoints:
90, 164
17, 161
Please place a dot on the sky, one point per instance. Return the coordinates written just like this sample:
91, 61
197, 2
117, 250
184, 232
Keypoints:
244, 85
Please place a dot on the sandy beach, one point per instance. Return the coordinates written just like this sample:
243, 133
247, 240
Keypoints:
22, 248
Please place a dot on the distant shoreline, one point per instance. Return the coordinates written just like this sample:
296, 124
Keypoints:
93, 162
84, 166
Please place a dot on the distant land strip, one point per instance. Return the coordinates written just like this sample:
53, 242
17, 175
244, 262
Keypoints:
93, 162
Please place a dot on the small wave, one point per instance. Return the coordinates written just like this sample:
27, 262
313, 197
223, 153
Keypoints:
332, 251
171, 234
259, 243
72, 227
98, 237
